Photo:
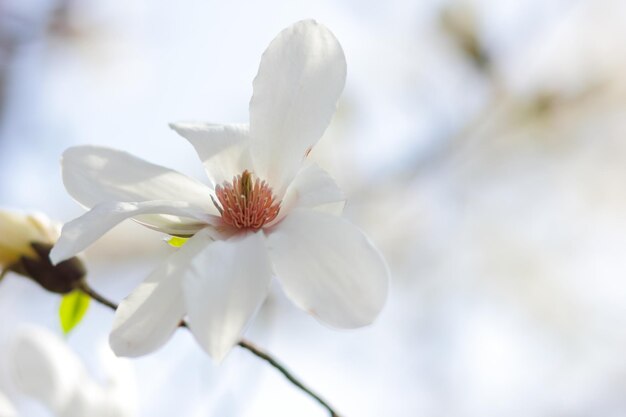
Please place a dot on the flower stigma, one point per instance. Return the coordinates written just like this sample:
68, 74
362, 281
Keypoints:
246, 202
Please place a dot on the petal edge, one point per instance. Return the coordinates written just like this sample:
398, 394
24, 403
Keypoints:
301, 76
329, 268
223, 289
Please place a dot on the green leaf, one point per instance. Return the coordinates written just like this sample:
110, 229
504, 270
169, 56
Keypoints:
177, 242
73, 308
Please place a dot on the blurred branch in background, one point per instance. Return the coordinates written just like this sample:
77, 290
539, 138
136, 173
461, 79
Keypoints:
26, 23
517, 212
504, 111
460, 22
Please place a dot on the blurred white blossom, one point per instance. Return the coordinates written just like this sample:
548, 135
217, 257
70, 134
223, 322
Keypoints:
6, 408
44, 368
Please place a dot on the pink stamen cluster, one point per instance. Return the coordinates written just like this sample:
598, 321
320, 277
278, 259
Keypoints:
246, 203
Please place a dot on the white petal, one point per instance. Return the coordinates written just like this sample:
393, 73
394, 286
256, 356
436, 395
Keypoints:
85, 401
223, 288
44, 368
312, 188
329, 268
300, 78
223, 149
94, 175
6, 408
146, 319
78, 234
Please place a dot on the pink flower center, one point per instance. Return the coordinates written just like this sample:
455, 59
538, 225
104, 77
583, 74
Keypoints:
245, 203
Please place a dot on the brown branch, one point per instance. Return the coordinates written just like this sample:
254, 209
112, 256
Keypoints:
244, 344
97, 297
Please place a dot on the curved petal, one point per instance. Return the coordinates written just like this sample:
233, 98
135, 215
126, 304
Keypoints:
312, 188
329, 268
301, 76
223, 149
86, 229
224, 286
147, 318
94, 175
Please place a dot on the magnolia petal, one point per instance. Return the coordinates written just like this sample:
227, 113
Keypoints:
224, 286
44, 368
148, 317
312, 188
329, 268
6, 408
172, 225
78, 234
94, 175
301, 76
223, 149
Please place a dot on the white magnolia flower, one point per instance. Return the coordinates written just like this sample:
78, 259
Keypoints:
17, 232
45, 369
268, 212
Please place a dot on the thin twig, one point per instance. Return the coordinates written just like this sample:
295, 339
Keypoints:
93, 294
281, 368
244, 344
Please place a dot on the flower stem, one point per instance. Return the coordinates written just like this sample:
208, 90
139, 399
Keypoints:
243, 343
97, 297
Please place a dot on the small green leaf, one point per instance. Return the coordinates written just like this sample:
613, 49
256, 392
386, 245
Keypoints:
73, 308
177, 242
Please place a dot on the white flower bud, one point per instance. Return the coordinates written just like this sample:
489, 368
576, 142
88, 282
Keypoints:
17, 232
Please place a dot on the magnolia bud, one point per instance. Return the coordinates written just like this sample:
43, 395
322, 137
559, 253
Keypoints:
25, 243
19, 230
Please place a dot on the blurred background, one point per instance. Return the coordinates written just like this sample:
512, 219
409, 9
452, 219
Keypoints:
482, 145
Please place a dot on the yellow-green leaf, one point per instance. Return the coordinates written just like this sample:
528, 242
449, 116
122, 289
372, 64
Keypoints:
73, 308
176, 241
